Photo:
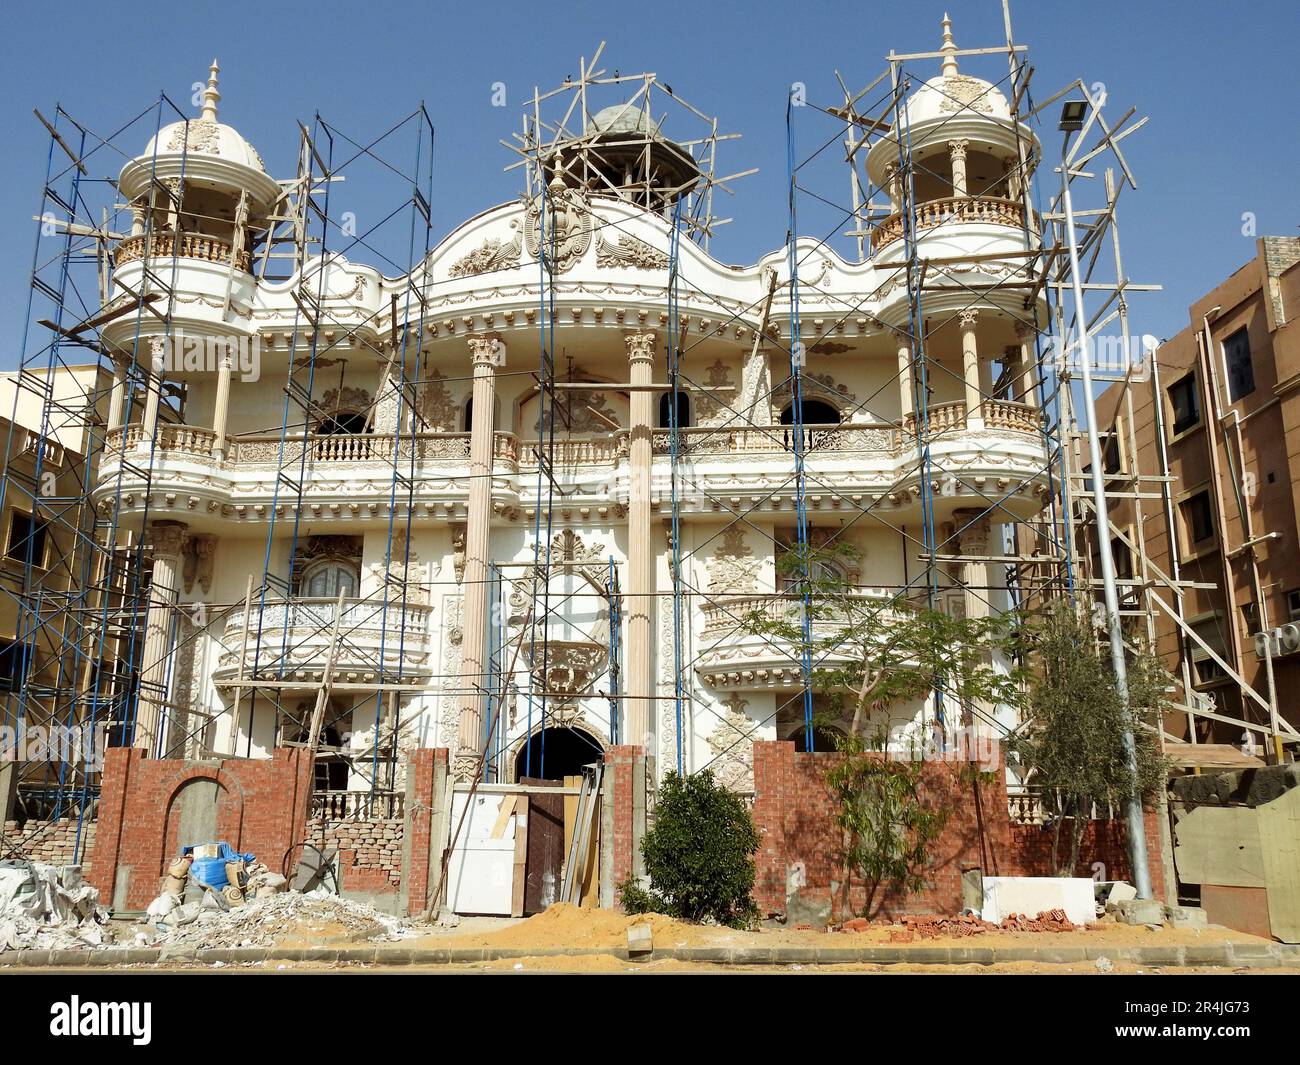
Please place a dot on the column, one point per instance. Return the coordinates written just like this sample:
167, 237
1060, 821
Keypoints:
957, 153
168, 540
153, 390
892, 188
640, 607
1028, 390
905, 381
222, 408
970, 368
973, 535
117, 396
486, 352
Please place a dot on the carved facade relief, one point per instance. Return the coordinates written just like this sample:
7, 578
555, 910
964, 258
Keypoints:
732, 744
631, 252
565, 234
733, 570
493, 254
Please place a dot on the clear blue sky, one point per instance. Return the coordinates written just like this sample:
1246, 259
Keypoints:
1218, 81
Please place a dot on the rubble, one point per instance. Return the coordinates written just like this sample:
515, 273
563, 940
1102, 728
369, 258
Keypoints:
934, 926
267, 920
48, 908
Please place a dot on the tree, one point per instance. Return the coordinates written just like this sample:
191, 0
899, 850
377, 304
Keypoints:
871, 652
699, 855
1071, 745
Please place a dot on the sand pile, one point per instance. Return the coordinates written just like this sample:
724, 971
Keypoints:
565, 926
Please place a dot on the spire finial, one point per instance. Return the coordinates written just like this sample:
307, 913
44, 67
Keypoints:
211, 97
949, 49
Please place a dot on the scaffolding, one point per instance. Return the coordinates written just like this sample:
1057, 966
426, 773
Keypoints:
89, 611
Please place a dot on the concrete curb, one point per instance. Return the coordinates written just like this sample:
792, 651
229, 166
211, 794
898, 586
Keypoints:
1226, 955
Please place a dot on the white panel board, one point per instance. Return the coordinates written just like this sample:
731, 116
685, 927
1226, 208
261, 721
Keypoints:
482, 868
1031, 895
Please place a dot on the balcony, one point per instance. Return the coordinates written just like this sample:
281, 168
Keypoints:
293, 640
997, 414
736, 655
181, 245
989, 210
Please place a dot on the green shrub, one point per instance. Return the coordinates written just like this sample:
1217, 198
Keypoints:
699, 855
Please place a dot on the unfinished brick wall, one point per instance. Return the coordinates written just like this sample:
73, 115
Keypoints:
426, 770
370, 852
51, 842
1104, 842
623, 763
261, 806
794, 813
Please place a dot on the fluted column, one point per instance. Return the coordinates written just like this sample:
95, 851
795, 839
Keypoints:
973, 535
640, 608
117, 416
970, 368
957, 153
1028, 383
892, 188
168, 540
905, 380
486, 352
222, 406
153, 392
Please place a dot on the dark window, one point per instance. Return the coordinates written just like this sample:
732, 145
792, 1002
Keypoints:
815, 412
1293, 604
1199, 518
683, 410
349, 424
1186, 403
11, 665
26, 535
1241, 374
1123, 559
1111, 461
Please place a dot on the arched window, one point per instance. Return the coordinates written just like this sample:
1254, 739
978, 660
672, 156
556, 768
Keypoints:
344, 423
683, 410
815, 412
469, 415
825, 738
329, 577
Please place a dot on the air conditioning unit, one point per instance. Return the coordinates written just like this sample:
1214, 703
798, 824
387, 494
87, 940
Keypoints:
1285, 640
1262, 641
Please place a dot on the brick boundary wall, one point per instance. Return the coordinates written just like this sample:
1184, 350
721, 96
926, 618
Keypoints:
622, 765
262, 806
426, 776
52, 842
795, 817
370, 851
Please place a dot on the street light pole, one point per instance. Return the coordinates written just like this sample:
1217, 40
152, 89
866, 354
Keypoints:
1137, 838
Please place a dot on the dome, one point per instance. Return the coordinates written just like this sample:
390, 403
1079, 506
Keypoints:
209, 138
956, 94
205, 135
621, 118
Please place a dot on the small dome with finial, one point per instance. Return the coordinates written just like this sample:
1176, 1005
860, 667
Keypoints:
205, 134
953, 92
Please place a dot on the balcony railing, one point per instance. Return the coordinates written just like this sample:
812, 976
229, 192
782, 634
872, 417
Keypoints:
357, 805
931, 213
1002, 414
735, 613
941, 418
777, 439
181, 245
185, 439
294, 638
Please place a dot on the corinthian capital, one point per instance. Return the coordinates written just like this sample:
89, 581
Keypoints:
168, 538
487, 349
640, 345
958, 148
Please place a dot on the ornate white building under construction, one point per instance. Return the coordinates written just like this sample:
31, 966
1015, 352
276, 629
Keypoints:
523, 500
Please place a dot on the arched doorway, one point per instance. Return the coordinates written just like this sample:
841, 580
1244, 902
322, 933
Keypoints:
683, 410
815, 412
825, 738
556, 753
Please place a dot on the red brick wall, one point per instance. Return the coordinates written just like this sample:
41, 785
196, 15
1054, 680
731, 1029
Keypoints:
419, 812
261, 807
795, 817
622, 763
1030, 851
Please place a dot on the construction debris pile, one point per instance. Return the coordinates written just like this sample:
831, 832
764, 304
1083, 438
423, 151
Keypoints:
268, 920
934, 926
45, 907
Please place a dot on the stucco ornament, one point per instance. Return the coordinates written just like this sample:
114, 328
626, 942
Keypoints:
965, 93
567, 232
437, 408
631, 252
197, 135
732, 744
712, 406
733, 569
493, 254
